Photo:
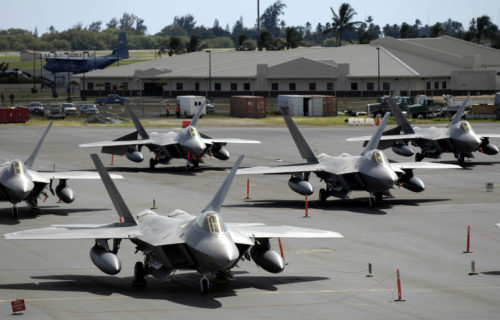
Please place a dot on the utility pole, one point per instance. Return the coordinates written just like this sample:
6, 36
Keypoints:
258, 26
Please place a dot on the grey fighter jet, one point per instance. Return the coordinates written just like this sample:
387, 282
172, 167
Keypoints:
187, 144
18, 182
458, 138
178, 240
369, 172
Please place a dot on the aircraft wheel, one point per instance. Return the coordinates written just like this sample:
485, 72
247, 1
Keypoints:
378, 197
371, 201
139, 274
204, 286
322, 195
152, 163
418, 157
15, 212
461, 160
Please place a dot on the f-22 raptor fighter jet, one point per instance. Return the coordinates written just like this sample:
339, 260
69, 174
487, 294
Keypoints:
18, 182
458, 138
178, 240
187, 144
369, 172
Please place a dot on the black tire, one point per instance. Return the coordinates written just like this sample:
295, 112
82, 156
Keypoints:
378, 196
418, 157
139, 275
15, 212
322, 195
461, 160
371, 202
152, 163
204, 286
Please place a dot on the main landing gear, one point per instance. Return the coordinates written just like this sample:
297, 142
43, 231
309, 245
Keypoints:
139, 275
204, 285
152, 163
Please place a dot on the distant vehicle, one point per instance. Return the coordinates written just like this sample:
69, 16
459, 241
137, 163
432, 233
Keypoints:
189, 105
35, 107
424, 109
55, 111
69, 109
209, 106
89, 109
86, 64
380, 108
110, 99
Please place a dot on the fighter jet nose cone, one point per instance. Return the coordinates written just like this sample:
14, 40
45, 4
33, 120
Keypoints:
18, 189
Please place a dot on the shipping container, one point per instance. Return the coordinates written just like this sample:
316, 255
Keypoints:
248, 106
484, 109
18, 115
308, 106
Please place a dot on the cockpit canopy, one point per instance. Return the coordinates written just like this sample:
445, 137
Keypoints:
192, 131
464, 125
377, 156
211, 222
17, 167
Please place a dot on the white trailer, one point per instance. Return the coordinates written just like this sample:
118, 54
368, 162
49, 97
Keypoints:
189, 105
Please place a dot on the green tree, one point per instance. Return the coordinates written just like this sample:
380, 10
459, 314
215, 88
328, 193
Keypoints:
95, 26
293, 38
194, 43
176, 46
437, 30
343, 21
270, 19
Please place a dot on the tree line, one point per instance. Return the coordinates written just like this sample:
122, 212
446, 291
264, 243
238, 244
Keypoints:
185, 35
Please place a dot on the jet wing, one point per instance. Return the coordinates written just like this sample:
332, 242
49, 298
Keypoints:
410, 136
45, 177
227, 140
422, 165
263, 231
60, 232
282, 169
116, 143
490, 135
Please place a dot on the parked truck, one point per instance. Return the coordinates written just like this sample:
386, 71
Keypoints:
189, 105
380, 108
112, 98
425, 109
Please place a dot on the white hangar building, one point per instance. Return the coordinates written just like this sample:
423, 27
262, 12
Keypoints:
398, 66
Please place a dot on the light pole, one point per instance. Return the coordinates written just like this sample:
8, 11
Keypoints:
68, 99
34, 75
209, 71
82, 90
378, 73
54, 91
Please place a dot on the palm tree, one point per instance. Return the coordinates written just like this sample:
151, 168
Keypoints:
343, 21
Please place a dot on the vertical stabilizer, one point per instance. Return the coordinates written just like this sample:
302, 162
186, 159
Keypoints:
375, 139
140, 129
456, 118
401, 120
300, 142
197, 115
121, 49
219, 197
31, 160
120, 206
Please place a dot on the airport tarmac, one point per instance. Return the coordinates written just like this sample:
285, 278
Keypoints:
421, 234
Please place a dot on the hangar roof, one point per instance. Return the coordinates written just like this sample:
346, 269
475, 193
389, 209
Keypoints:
398, 58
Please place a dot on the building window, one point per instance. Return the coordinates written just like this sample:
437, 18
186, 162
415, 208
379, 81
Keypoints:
312, 86
292, 86
90, 85
197, 86
436, 85
370, 86
428, 85
274, 86
246, 86
217, 86
386, 86
178, 86
443, 85
234, 86
354, 86
329, 86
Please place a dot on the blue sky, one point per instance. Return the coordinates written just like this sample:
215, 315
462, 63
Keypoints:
28, 14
